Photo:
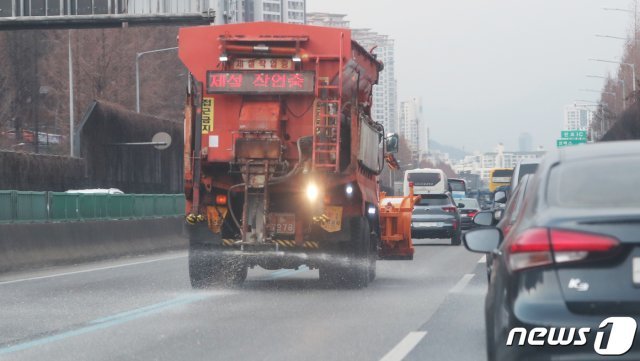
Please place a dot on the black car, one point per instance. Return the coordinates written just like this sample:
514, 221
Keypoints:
470, 207
505, 218
436, 216
570, 262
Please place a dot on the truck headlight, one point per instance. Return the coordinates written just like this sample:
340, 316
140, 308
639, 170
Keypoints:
312, 192
349, 189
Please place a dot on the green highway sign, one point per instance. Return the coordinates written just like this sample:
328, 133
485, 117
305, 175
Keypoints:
565, 142
574, 134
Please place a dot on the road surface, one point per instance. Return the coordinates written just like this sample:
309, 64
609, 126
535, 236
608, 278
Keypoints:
143, 308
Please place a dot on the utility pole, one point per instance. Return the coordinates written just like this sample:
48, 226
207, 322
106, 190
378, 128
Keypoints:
71, 103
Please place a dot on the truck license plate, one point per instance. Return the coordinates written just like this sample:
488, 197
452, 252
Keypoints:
282, 223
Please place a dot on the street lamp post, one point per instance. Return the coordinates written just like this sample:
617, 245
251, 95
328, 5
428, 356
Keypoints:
600, 107
138, 56
632, 66
612, 37
635, 16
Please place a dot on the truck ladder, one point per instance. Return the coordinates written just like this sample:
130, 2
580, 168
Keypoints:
326, 117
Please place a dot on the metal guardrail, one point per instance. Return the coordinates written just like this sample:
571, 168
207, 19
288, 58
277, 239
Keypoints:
34, 207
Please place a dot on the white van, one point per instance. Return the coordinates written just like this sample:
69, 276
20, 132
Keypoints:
426, 181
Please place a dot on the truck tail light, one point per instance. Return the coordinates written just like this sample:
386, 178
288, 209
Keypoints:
221, 199
541, 247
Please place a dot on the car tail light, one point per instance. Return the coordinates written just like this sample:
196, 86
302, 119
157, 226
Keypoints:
570, 246
540, 247
530, 249
472, 214
455, 225
449, 209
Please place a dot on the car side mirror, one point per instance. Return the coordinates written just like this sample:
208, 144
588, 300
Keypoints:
392, 143
460, 205
500, 197
483, 218
484, 240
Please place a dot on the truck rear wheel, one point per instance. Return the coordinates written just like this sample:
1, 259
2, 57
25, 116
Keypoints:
207, 269
356, 272
204, 268
234, 271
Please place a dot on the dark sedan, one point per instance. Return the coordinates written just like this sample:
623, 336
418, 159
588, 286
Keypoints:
570, 262
469, 209
436, 216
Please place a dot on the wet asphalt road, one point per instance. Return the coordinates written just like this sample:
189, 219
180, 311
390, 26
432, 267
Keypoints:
143, 308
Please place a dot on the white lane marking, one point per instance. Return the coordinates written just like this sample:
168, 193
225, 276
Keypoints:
405, 346
92, 269
483, 259
462, 283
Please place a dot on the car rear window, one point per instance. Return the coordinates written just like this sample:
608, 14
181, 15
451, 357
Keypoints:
606, 182
424, 179
527, 169
469, 203
503, 173
434, 200
457, 186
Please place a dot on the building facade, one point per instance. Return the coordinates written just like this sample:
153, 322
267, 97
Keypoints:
525, 142
409, 124
226, 11
328, 19
482, 163
286, 11
577, 117
385, 94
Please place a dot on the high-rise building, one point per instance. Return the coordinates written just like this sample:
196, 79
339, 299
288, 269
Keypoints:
286, 11
482, 163
385, 96
385, 93
525, 142
226, 11
577, 117
410, 123
328, 19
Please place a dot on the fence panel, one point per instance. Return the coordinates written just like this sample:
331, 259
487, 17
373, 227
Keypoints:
121, 206
7, 206
59, 206
164, 205
63, 206
143, 205
31, 206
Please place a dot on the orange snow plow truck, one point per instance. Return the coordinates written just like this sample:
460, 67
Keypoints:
282, 157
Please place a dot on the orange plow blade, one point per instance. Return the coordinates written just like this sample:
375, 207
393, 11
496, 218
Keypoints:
395, 226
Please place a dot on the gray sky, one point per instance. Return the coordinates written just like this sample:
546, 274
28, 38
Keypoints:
488, 70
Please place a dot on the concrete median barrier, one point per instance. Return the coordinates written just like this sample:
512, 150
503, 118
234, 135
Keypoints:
35, 245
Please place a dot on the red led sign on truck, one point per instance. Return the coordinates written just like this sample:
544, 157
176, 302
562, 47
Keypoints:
267, 82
